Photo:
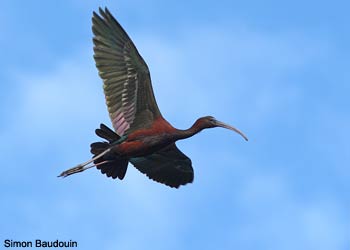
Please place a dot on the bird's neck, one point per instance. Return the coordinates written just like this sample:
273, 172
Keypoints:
183, 134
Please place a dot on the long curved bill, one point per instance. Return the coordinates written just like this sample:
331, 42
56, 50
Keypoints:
224, 125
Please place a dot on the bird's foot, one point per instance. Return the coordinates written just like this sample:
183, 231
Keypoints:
77, 169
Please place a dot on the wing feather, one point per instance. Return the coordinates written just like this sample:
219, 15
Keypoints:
168, 166
127, 83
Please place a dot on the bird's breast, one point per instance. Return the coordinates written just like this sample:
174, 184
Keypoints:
144, 145
148, 140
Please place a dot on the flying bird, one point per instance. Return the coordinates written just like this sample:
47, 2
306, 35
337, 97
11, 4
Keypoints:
141, 135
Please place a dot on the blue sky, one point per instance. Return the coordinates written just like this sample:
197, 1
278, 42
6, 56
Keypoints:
276, 70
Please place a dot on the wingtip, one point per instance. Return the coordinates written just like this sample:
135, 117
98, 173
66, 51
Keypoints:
103, 11
61, 175
107, 11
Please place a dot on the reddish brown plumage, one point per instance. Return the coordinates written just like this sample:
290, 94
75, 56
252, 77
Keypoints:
147, 140
159, 126
143, 137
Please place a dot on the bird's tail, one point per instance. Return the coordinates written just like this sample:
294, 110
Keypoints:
104, 159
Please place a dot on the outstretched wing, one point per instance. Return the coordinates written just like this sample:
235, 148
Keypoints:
168, 166
127, 83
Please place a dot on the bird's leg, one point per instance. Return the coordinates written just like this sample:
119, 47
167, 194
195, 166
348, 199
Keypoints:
83, 166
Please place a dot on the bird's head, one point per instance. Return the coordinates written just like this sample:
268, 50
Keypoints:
211, 122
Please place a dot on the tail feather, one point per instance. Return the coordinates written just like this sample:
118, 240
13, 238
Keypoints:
110, 164
107, 133
115, 168
98, 147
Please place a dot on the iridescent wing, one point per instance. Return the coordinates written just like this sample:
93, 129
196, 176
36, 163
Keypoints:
168, 166
127, 82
